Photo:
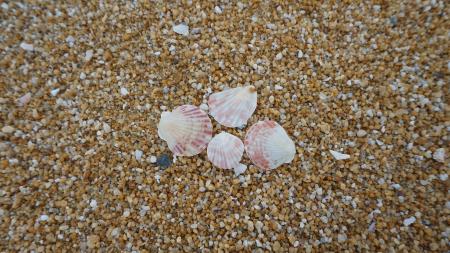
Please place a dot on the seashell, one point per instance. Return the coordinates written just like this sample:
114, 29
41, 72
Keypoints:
339, 156
187, 130
233, 107
181, 29
240, 169
225, 151
268, 145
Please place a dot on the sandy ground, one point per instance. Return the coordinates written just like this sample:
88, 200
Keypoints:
83, 85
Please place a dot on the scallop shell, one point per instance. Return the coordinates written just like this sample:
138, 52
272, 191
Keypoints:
233, 107
225, 150
187, 130
268, 145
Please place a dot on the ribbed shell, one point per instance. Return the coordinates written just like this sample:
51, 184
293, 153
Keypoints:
233, 107
187, 130
225, 150
268, 145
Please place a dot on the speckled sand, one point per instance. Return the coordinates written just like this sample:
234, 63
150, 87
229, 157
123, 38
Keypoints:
82, 87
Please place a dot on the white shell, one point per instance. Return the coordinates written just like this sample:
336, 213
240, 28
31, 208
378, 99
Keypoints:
181, 29
268, 145
187, 130
225, 150
339, 155
240, 169
233, 107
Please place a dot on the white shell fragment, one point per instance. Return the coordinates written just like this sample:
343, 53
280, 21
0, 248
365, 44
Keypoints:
339, 156
181, 29
439, 155
225, 151
409, 221
27, 47
43, 217
138, 154
218, 10
240, 169
187, 130
268, 145
152, 159
8, 129
233, 107
54, 92
23, 100
123, 91
88, 55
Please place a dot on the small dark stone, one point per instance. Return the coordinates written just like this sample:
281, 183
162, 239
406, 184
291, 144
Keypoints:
427, 223
196, 31
393, 20
164, 161
439, 75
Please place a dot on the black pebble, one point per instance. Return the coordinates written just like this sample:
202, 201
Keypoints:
164, 161
393, 20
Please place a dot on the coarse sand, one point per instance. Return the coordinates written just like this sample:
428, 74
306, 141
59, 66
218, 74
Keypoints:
83, 85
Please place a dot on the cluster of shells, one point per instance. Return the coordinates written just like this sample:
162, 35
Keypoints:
188, 131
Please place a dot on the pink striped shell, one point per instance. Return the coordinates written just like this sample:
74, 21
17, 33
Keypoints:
187, 130
225, 151
268, 145
233, 107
